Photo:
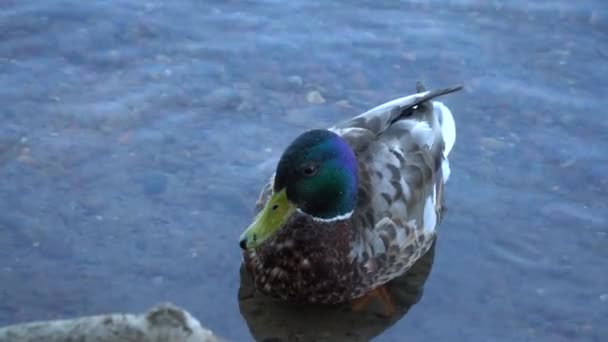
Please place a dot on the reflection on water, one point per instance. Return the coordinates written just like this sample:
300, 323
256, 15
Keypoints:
271, 320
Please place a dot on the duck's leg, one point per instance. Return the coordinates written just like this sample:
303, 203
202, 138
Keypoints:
381, 293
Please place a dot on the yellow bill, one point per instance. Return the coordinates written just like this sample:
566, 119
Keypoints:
272, 217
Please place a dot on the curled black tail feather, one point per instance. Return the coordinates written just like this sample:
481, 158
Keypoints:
408, 110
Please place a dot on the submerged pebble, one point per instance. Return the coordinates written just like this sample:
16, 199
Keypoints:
295, 81
223, 98
158, 280
492, 143
154, 183
571, 212
315, 97
594, 18
93, 204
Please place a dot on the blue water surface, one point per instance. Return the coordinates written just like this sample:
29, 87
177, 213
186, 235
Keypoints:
135, 137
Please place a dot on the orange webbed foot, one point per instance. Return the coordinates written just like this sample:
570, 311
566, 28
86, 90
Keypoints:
381, 293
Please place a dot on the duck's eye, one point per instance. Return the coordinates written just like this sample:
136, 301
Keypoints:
309, 170
275, 207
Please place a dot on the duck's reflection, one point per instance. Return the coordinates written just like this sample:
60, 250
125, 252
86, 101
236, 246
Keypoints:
270, 320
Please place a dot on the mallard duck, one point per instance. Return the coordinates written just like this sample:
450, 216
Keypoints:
351, 207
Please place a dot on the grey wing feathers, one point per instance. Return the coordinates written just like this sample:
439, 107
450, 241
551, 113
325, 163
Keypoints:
400, 171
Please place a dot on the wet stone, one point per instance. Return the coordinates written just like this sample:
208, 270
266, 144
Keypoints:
55, 247
571, 212
274, 81
154, 183
169, 139
344, 104
245, 106
141, 245
594, 18
93, 204
315, 97
295, 81
492, 143
171, 165
409, 56
158, 280
223, 98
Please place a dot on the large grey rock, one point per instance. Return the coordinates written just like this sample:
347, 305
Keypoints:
163, 323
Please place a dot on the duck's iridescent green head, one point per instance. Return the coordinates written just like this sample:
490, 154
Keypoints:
317, 175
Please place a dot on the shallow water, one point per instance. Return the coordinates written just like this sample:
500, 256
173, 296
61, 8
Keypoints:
136, 136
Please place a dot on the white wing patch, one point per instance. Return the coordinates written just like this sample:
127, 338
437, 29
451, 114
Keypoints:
422, 134
430, 217
448, 126
448, 131
445, 170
